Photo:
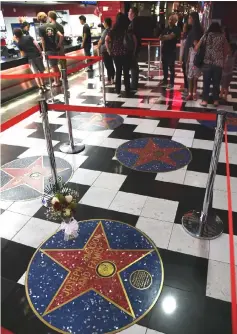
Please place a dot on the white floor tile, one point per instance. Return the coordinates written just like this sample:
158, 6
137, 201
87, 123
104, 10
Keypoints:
164, 131
196, 179
220, 249
5, 204
132, 103
11, 224
22, 279
188, 121
131, 120
98, 197
220, 200
218, 280
147, 126
85, 176
76, 160
184, 133
160, 107
26, 207
203, 144
176, 176
151, 331
161, 209
188, 142
135, 329
112, 142
220, 183
182, 242
35, 232
109, 181
128, 203
159, 231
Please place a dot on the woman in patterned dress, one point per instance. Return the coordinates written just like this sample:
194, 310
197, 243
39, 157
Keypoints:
216, 50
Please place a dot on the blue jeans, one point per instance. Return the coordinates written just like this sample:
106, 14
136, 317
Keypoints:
211, 75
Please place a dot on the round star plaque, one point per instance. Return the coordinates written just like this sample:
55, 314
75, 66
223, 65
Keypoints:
26, 178
102, 282
96, 122
154, 155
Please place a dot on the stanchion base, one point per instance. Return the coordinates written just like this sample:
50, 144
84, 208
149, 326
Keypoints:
211, 230
66, 148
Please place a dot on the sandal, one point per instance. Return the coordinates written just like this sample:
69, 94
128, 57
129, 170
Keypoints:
189, 97
203, 104
216, 104
194, 97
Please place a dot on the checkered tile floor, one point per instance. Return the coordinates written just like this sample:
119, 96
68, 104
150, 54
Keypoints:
196, 295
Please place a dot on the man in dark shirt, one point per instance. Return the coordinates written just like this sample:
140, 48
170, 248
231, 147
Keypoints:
52, 40
29, 47
86, 38
135, 29
169, 40
52, 19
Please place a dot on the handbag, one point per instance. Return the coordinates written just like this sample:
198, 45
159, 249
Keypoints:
200, 55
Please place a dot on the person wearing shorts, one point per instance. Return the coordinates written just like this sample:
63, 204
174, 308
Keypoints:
53, 20
29, 47
52, 40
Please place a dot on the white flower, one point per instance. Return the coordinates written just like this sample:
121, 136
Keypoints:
67, 213
54, 200
68, 198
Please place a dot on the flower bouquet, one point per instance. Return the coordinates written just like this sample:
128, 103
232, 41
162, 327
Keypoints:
61, 206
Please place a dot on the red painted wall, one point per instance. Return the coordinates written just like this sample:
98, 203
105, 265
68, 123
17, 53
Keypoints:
114, 7
31, 11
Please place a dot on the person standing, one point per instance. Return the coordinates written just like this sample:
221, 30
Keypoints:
53, 20
30, 48
119, 50
169, 40
216, 51
25, 26
134, 28
193, 37
52, 40
86, 38
107, 59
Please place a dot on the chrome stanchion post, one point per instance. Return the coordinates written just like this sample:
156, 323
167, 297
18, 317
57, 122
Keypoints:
100, 71
160, 59
69, 147
149, 59
48, 138
103, 82
206, 225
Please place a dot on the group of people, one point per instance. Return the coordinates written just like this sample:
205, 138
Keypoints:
209, 54
52, 36
120, 45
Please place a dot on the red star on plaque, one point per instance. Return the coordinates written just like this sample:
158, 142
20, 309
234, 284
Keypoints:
31, 176
96, 267
152, 152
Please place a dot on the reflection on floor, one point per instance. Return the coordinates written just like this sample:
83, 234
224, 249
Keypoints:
196, 295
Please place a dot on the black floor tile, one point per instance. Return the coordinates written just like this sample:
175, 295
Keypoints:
85, 212
7, 287
146, 185
15, 259
10, 152
100, 159
182, 312
18, 317
1, 211
200, 160
184, 271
